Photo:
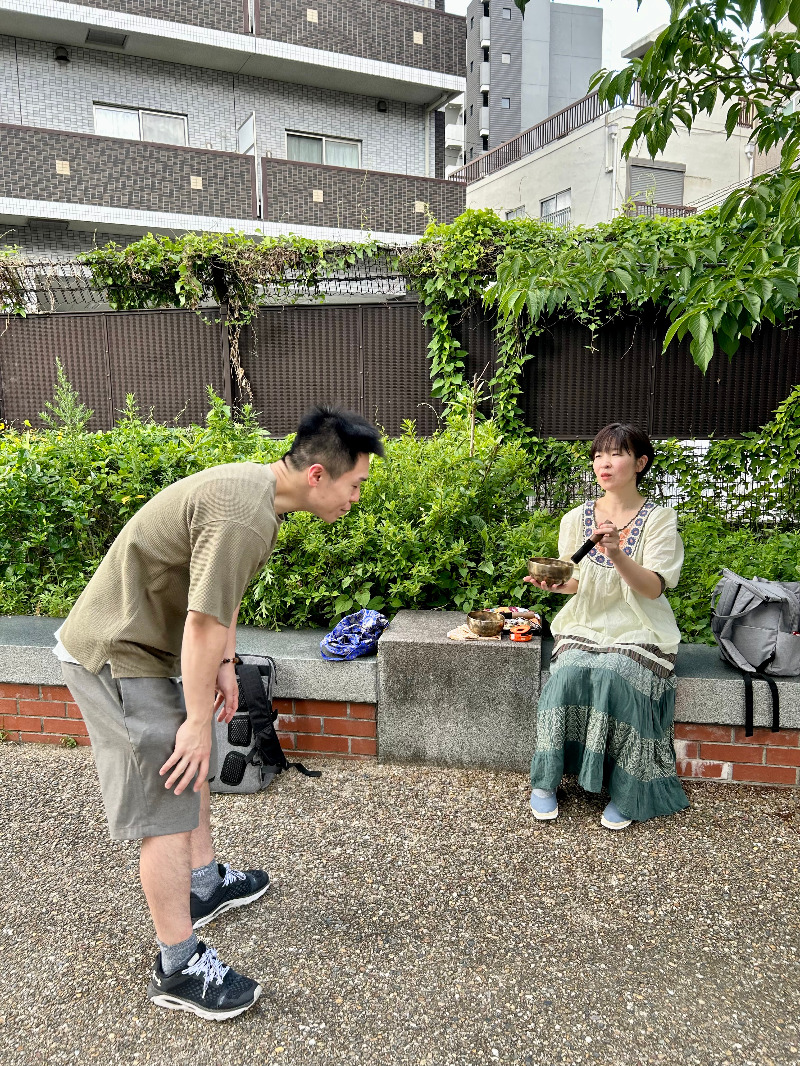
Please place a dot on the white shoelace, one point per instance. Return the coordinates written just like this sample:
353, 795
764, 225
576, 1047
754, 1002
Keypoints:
232, 875
209, 966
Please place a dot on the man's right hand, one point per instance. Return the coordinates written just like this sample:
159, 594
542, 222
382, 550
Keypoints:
190, 758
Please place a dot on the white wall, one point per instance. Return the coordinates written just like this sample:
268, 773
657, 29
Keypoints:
579, 162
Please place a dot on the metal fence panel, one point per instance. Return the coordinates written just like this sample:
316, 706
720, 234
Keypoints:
296, 357
571, 390
734, 396
167, 359
29, 348
397, 383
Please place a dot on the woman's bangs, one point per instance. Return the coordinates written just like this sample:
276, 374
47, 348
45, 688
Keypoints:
611, 438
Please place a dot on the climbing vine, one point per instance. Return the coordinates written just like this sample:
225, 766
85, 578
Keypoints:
715, 276
232, 270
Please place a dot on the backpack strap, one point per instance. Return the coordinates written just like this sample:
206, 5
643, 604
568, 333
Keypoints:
748, 701
267, 750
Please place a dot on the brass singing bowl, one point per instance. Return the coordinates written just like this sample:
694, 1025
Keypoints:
553, 571
485, 623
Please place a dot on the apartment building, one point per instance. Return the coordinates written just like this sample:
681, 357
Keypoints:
568, 170
120, 117
520, 70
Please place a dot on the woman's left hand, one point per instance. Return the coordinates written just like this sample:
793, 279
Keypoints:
609, 542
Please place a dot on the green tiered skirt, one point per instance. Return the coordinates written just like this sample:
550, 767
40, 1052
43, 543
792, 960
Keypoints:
606, 715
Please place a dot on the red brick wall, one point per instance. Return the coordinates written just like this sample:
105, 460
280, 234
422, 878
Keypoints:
47, 714
724, 753
44, 713
322, 727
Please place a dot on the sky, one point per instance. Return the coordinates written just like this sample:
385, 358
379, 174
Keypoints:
622, 23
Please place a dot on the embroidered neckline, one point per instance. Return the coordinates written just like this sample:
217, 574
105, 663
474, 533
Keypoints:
632, 531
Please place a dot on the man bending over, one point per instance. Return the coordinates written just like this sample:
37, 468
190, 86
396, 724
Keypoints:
164, 601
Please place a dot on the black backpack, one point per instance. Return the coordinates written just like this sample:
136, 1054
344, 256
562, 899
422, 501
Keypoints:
249, 753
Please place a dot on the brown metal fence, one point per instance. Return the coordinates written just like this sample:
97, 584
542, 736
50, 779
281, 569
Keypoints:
372, 358
165, 358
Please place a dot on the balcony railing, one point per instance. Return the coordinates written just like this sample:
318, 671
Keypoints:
231, 16
390, 31
664, 210
81, 168
551, 129
559, 218
312, 194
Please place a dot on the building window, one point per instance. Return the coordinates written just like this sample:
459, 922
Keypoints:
486, 8
485, 99
471, 65
505, 102
485, 143
135, 124
334, 151
505, 57
472, 22
555, 205
506, 12
660, 183
516, 212
486, 53
470, 110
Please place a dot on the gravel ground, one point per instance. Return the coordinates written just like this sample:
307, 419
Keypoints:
416, 916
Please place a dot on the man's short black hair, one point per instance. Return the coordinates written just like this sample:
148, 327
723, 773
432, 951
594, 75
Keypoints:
334, 439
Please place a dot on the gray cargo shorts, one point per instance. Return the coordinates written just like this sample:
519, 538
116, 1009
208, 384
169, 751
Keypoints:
132, 722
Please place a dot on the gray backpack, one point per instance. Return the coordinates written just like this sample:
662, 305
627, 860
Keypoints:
757, 627
249, 753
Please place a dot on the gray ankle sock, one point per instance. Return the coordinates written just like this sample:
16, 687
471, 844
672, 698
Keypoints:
206, 880
175, 956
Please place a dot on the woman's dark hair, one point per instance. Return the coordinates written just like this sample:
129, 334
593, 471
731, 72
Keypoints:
334, 439
621, 436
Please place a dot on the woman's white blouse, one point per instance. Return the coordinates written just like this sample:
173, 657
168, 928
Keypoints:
605, 609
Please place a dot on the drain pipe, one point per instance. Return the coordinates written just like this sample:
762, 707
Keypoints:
613, 132
445, 98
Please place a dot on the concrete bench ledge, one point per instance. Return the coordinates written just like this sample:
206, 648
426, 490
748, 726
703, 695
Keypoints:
302, 674
474, 704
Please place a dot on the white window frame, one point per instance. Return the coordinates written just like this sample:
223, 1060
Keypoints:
139, 111
324, 138
554, 200
516, 212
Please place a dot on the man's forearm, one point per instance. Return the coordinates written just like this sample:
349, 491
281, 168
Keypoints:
230, 643
204, 646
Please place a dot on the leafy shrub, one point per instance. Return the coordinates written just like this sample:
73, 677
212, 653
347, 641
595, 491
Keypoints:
437, 526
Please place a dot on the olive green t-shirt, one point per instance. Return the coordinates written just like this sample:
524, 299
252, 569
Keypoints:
193, 547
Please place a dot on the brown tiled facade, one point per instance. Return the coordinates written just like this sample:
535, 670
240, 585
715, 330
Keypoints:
313, 195
393, 31
227, 15
76, 168
387, 30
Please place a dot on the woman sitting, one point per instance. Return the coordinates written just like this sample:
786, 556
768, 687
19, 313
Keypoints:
606, 712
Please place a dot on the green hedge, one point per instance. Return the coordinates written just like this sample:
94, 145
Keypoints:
437, 527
